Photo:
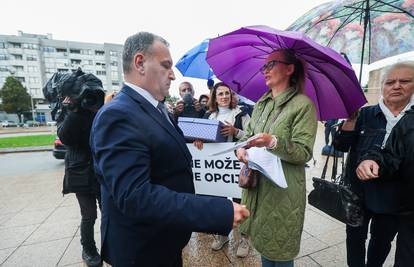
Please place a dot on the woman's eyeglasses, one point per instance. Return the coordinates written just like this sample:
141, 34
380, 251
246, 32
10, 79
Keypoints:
269, 65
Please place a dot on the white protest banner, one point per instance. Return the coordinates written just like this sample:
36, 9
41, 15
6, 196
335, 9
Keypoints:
216, 175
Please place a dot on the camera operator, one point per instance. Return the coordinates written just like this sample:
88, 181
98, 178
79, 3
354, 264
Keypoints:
74, 124
188, 106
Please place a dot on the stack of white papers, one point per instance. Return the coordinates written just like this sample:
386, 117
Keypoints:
268, 164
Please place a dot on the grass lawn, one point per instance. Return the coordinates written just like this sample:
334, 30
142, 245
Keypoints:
31, 140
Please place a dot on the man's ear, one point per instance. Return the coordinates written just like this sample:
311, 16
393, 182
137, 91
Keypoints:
139, 60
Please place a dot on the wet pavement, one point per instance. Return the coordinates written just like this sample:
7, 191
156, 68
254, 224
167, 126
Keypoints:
40, 227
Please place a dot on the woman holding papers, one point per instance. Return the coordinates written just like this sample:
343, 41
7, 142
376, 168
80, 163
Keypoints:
284, 121
223, 107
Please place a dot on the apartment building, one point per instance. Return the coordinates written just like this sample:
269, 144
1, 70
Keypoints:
34, 58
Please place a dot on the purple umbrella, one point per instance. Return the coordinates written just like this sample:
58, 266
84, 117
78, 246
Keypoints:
331, 83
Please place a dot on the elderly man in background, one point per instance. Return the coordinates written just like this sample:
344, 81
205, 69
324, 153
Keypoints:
188, 106
360, 134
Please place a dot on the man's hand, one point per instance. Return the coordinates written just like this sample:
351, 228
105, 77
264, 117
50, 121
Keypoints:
228, 130
67, 101
241, 155
179, 107
241, 213
368, 169
198, 144
197, 105
262, 140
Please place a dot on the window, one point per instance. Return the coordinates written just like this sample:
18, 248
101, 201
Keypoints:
100, 64
4, 69
31, 46
100, 72
3, 45
15, 45
99, 52
21, 79
35, 91
17, 56
31, 68
114, 63
34, 80
50, 70
75, 51
18, 68
48, 49
87, 52
31, 58
113, 53
115, 83
114, 74
75, 61
4, 57
61, 50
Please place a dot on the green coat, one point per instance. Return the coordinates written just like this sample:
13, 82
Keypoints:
276, 214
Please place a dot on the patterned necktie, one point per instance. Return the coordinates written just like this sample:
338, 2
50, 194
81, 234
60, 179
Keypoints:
164, 111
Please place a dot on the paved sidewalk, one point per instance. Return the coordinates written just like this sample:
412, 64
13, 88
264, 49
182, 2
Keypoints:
40, 227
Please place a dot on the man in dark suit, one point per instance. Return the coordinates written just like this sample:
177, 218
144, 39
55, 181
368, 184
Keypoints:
149, 209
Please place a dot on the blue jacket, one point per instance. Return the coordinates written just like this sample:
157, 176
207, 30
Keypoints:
380, 196
149, 209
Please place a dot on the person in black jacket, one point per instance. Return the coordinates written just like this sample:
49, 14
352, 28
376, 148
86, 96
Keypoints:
396, 162
369, 131
73, 129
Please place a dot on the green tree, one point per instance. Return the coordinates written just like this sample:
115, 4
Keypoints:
173, 99
15, 98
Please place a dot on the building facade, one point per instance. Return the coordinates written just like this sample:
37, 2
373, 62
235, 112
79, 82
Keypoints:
34, 58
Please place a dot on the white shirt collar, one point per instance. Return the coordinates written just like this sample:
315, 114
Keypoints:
144, 93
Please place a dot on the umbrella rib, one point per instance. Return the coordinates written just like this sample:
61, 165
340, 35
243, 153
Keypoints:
333, 81
265, 42
317, 97
343, 24
398, 8
331, 16
251, 78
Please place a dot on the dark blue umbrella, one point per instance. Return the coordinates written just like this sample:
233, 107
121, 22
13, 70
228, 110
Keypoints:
194, 64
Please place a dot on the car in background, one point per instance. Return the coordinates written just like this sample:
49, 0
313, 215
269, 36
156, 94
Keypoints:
59, 149
8, 124
31, 124
50, 123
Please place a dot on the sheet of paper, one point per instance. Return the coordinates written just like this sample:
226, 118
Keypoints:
267, 163
236, 146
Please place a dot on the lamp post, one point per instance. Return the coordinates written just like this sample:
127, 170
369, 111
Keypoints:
31, 102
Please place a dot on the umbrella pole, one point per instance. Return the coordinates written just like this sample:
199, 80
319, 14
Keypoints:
366, 19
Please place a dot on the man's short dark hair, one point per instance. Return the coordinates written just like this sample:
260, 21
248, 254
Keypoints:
139, 42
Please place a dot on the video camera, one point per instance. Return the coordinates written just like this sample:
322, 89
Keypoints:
189, 109
84, 90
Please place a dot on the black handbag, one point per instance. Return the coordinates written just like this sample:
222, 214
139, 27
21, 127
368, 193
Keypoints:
335, 197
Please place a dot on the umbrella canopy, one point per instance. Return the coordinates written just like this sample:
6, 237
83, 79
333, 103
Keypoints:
194, 64
331, 83
365, 30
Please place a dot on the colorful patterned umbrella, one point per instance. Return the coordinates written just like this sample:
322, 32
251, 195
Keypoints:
236, 58
365, 30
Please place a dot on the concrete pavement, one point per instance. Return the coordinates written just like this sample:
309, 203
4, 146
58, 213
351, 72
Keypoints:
40, 227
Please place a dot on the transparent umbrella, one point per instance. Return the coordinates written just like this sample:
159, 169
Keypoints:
365, 30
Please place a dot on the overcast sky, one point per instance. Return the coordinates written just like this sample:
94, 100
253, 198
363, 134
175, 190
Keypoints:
183, 23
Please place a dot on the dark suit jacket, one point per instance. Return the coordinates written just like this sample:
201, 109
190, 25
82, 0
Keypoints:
148, 204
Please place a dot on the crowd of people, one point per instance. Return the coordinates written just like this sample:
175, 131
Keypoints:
131, 159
